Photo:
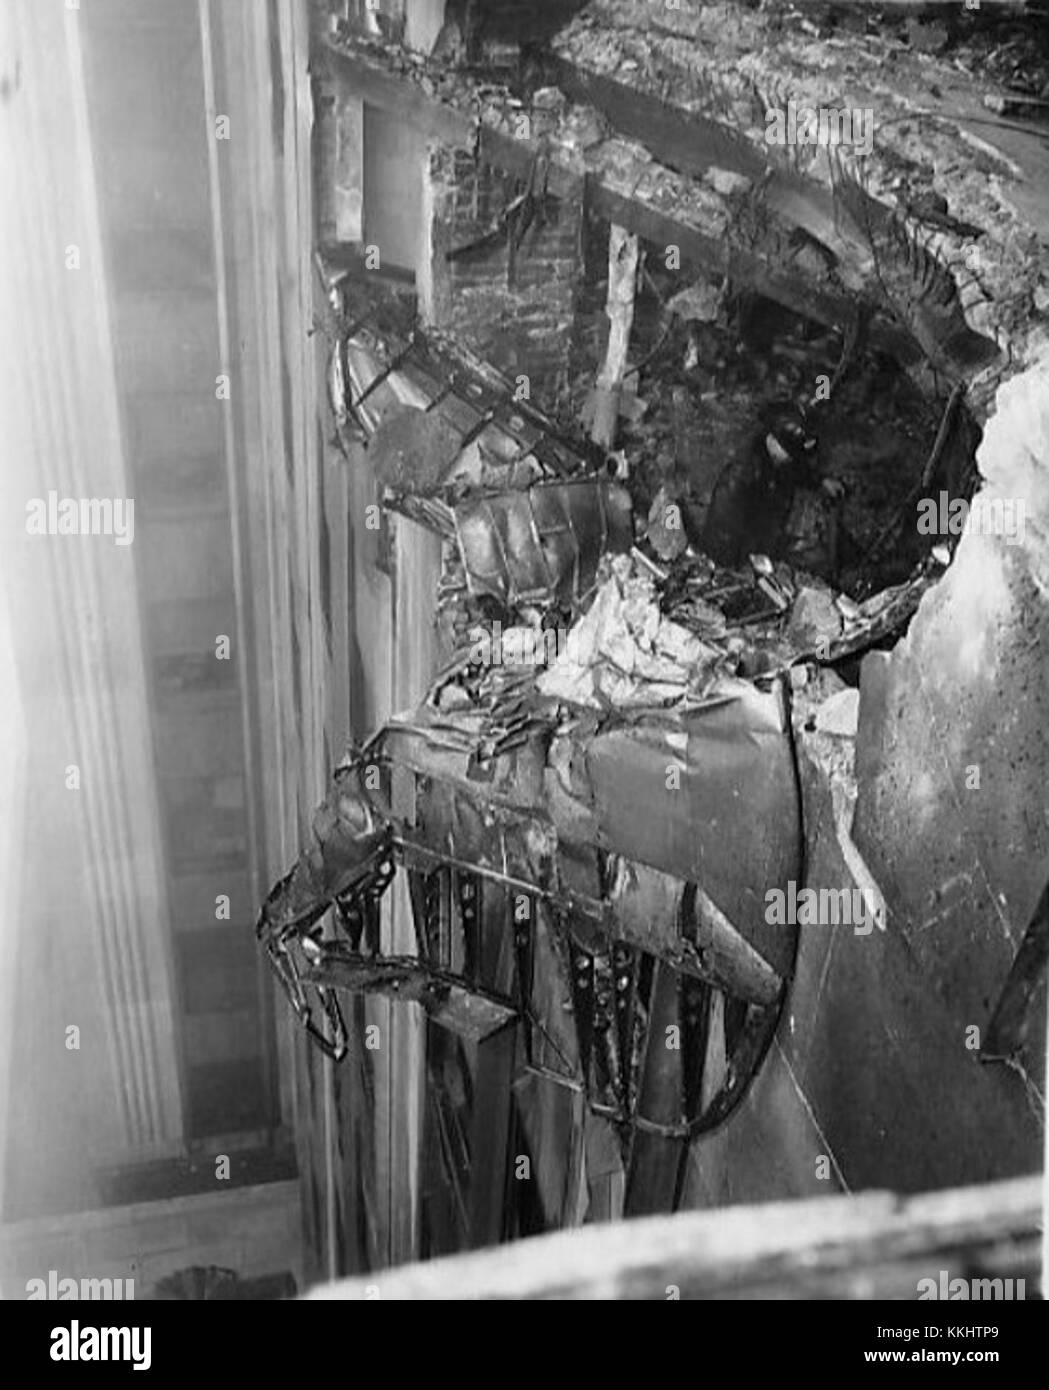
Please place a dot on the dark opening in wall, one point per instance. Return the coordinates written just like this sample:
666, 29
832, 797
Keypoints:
775, 435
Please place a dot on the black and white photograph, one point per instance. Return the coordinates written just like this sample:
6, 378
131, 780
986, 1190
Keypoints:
524, 664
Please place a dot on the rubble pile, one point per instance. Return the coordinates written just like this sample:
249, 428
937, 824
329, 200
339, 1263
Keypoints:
564, 584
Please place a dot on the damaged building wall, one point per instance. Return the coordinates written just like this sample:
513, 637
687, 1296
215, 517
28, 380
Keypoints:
880, 1074
512, 296
952, 753
506, 251
873, 1078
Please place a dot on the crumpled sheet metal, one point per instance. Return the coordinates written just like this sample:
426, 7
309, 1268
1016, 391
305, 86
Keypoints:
442, 744
456, 451
623, 653
348, 829
543, 543
455, 823
384, 360
605, 897
707, 795
647, 934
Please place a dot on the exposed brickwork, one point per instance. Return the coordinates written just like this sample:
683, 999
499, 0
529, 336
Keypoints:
523, 329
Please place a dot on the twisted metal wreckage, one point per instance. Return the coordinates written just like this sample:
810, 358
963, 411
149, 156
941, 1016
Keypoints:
617, 813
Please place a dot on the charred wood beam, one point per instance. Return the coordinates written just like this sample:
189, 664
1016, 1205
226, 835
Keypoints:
683, 140
692, 144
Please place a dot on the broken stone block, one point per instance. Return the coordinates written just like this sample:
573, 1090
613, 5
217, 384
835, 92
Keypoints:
839, 714
815, 618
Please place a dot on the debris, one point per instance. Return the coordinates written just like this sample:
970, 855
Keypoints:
657, 574
624, 654
927, 36
629, 406
622, 279
552, 771
839, 714
619, 878
916, 286
548, 99
472, 1013
1026, 108
727, 181
700, 301
774, 593
815, 620
619, 461
666, 531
